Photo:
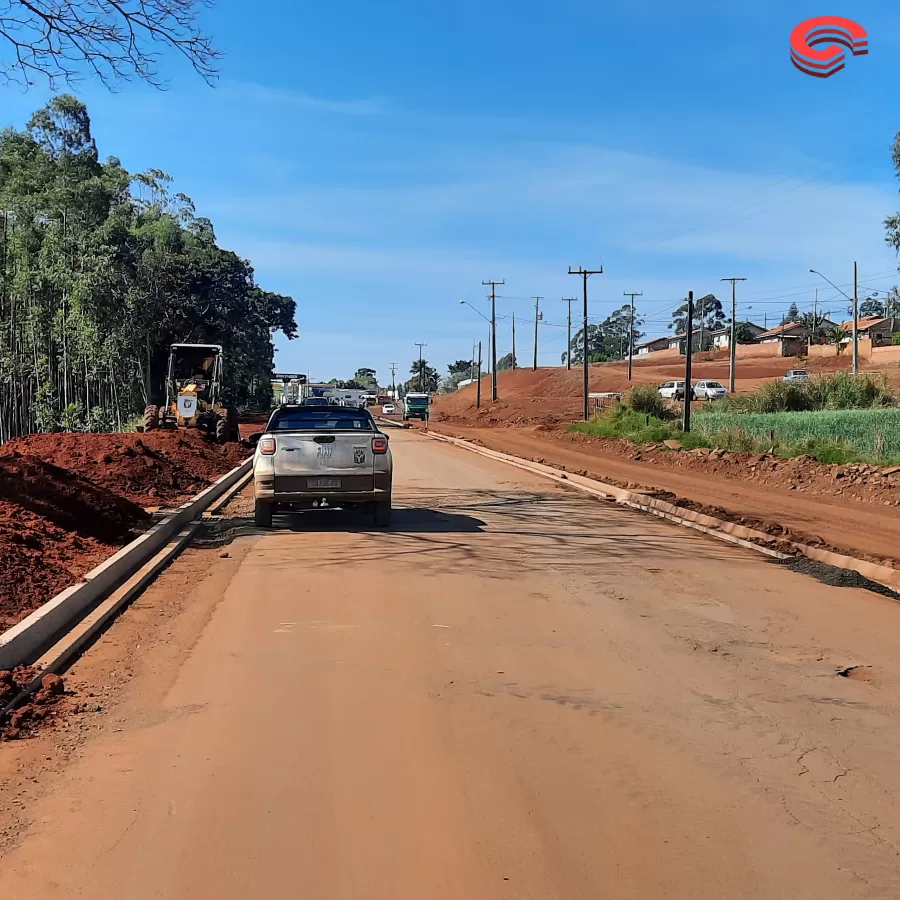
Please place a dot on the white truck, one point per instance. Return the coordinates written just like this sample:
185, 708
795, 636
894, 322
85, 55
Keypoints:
355, 399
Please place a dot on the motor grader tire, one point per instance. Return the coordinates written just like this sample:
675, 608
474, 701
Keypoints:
234, 429
151, 418
221, 429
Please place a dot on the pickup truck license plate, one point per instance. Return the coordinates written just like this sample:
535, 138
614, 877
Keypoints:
323, 482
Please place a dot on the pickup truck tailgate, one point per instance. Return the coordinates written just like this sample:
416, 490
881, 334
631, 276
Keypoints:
341, 462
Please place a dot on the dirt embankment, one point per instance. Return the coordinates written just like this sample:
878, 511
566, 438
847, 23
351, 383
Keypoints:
551, 396
69, 501
162, 468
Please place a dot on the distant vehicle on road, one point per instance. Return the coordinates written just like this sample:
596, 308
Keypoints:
388, 409
317, 401
674, 390
320, 457
709, 390
355, 399
797, 376
415, 406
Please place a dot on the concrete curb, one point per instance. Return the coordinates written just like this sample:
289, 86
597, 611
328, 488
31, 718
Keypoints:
24, 642
749, 538
64, 652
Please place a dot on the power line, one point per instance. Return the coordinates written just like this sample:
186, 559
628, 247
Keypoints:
585, 274
421, 367
493, 286
732, 352
570, 301
631, 294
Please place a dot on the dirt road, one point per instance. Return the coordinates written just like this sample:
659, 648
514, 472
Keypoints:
518, 693
866, 530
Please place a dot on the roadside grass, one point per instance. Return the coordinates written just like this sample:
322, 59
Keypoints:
870, 433
833, 437
837, 390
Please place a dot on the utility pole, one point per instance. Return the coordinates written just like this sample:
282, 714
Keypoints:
585, 274
421, 368
855, 319
689, 352
631, 294
493, 285
472, 364
478, 389
393, 381
514, 344
732, 348
537, 318
815, 330
570, 301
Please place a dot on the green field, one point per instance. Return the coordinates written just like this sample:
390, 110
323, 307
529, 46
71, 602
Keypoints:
872, 432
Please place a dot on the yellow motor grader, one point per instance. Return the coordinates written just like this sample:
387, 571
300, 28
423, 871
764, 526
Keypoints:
194, 394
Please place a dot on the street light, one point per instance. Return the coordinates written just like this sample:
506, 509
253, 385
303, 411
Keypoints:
854, 300
486, 319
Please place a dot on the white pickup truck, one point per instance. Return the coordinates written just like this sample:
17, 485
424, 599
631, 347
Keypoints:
319, 457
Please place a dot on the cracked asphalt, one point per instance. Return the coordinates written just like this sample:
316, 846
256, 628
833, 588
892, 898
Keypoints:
518, 692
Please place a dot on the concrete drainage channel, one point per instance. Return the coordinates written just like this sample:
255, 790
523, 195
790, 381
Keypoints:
54, 634
882, 579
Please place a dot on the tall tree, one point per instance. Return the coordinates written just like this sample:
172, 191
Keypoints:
424, 377
367, 378
460, 367
615, 329
793, 314
892, 223
871, 306
61, 40
597, 350
99, 272
708, 314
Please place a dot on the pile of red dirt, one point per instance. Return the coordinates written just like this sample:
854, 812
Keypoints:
161, 468
44, 706
54, 527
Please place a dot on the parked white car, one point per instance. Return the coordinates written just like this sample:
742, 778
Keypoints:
673, 390
709, 390
388, 409
797, 376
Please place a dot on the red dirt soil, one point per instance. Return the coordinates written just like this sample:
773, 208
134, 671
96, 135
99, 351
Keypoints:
551, 396
161, 468
44, 706
69, 501
54, 527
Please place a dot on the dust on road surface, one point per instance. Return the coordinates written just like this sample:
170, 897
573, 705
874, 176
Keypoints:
518, 693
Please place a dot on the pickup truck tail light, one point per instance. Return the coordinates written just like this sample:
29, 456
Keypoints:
267, 446
379, 444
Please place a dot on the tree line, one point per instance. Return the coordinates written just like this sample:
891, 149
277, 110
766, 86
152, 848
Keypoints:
100, 271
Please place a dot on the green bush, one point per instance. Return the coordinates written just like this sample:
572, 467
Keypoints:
646, 399
872, 433
839, 390
896, 339
623, 422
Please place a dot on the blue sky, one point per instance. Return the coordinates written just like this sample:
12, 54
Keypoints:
377, 161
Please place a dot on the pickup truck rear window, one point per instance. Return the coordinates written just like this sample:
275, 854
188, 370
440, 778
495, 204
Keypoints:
321, 419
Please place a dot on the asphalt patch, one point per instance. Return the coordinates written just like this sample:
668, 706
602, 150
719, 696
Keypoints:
834, 576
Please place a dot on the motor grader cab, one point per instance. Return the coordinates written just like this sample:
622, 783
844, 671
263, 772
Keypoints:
194, 394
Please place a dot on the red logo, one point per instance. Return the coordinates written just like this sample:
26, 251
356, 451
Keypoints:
829, 30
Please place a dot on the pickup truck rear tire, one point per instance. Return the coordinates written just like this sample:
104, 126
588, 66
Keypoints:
381, 514
262, 514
